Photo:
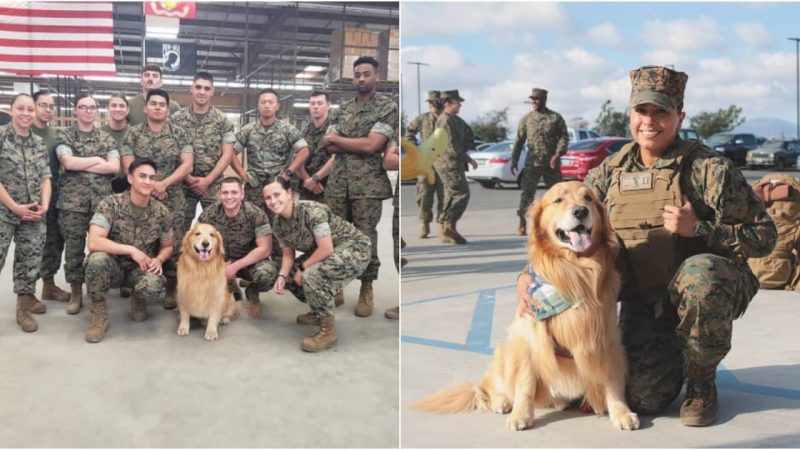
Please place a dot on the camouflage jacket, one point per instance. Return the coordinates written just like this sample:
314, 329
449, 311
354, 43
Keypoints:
118, 135
546, 133
309, 221
719, 193
50, 137
206, 135
82, 191
239, 233
23, 164
136, 115
144, 228
164, 148
356, 175
459, 139
313, 136
424, 124
270, 149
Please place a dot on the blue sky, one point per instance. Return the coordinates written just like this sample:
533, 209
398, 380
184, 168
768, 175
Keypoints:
734, 53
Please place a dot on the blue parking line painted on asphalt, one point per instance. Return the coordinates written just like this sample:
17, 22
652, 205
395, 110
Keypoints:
445, 345
461, 294
480, 333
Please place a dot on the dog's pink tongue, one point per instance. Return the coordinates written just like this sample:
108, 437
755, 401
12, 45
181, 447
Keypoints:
204, 255
579, 241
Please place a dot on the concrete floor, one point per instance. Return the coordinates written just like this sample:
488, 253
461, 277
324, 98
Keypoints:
144, 386
458, 301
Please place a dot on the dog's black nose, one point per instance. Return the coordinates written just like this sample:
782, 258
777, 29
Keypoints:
580, 212
205, 244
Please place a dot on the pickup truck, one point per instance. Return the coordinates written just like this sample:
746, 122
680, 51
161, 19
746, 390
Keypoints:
733, 146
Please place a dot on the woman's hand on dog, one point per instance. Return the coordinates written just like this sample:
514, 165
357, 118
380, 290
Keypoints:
526, 302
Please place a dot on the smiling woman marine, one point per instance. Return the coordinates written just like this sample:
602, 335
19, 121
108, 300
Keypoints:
334, 253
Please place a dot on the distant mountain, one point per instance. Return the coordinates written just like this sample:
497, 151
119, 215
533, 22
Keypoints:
769, 128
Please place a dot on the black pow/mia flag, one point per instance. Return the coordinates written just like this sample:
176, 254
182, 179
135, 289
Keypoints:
174, 58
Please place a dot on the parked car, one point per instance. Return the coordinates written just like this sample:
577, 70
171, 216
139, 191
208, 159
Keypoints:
4, 117
733, 146
580, 134
494, 165
584, 155
778, 154
688, 133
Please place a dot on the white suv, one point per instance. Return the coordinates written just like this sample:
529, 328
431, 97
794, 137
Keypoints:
580, 134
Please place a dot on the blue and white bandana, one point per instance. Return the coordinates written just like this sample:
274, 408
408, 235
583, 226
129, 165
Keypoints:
552, 302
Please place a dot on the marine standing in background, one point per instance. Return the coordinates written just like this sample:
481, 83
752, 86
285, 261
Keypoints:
54, 242
546, 133
452, 164
358, 184
425, 124
150, 79
170, 148
25, 198
319, 163
117, 126
211, 136
89, 159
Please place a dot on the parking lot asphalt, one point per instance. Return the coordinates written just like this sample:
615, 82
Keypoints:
144, 386
457, 301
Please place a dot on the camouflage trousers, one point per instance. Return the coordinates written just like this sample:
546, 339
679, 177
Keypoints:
364, 214
176, 203
322, 281
104, 271
530, 180
261, 275
697, 311
53, 244
191, 200
456, 194
28, 248
74, 225
425, 196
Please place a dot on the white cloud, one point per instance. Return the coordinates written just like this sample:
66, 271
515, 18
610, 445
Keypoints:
607, 34
682, 35
753, 34
450, 18
670, 58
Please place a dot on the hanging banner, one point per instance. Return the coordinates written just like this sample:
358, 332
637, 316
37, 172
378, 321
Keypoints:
174, 58
179, 10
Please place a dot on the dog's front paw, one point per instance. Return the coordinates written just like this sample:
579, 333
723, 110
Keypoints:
500, 405
225, 320
183, 329
211, 335
519, 421
625, 421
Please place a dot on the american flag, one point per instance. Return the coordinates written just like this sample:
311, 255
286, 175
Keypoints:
57, 38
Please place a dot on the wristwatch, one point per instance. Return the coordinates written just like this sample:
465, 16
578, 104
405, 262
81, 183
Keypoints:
702, 230
315, 178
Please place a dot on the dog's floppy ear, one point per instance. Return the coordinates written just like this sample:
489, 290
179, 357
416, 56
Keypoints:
221, 244
534, 214
185, 244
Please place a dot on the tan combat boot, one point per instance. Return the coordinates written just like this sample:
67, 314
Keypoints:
308, 318
52, 292
443, 236
364, 306
169, 299
97, 330
138, 308
424, 231
324, 339
38, 306
253, 302
521, 227
450, 230
25, 319
392, 313
338, 300
699, 408
76, 299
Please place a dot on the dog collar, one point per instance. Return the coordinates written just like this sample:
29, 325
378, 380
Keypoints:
551, 301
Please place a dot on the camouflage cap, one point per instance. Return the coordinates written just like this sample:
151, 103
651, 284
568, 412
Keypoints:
433, 96
538, 93
450, 95
657, 85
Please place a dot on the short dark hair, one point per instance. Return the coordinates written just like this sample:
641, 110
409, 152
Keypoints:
82, 96
118, 95
159, 92
268, 91
280, 180
231, 179
139, 162
203, 75
151, 68
40, 93
366, 60
317, 93
16, 97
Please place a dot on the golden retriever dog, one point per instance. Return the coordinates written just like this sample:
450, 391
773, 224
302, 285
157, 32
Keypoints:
573, 354
202, 289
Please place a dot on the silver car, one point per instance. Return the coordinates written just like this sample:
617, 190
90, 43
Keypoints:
494, 165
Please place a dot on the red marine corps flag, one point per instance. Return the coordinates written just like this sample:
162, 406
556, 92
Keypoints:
174, 10
57, 38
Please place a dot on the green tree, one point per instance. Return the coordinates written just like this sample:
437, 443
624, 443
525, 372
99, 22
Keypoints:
491, 127
708, 123
611, 122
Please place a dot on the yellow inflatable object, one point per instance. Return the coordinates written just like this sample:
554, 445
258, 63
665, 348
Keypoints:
418, 161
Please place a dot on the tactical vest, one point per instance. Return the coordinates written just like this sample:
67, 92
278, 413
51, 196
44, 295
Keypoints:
635, 202
780, 269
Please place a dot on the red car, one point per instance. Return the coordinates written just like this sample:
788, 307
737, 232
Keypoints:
584, 155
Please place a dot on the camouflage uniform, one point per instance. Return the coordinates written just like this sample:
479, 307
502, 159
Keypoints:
23, 164
136, 104
358, 183
80, 193
164, 148
120, 181
270, 150
450, 166
54, 240
425, 124
318, 156
321, 281
144, 228
690, 318
239, 235
546, 133
207, 132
